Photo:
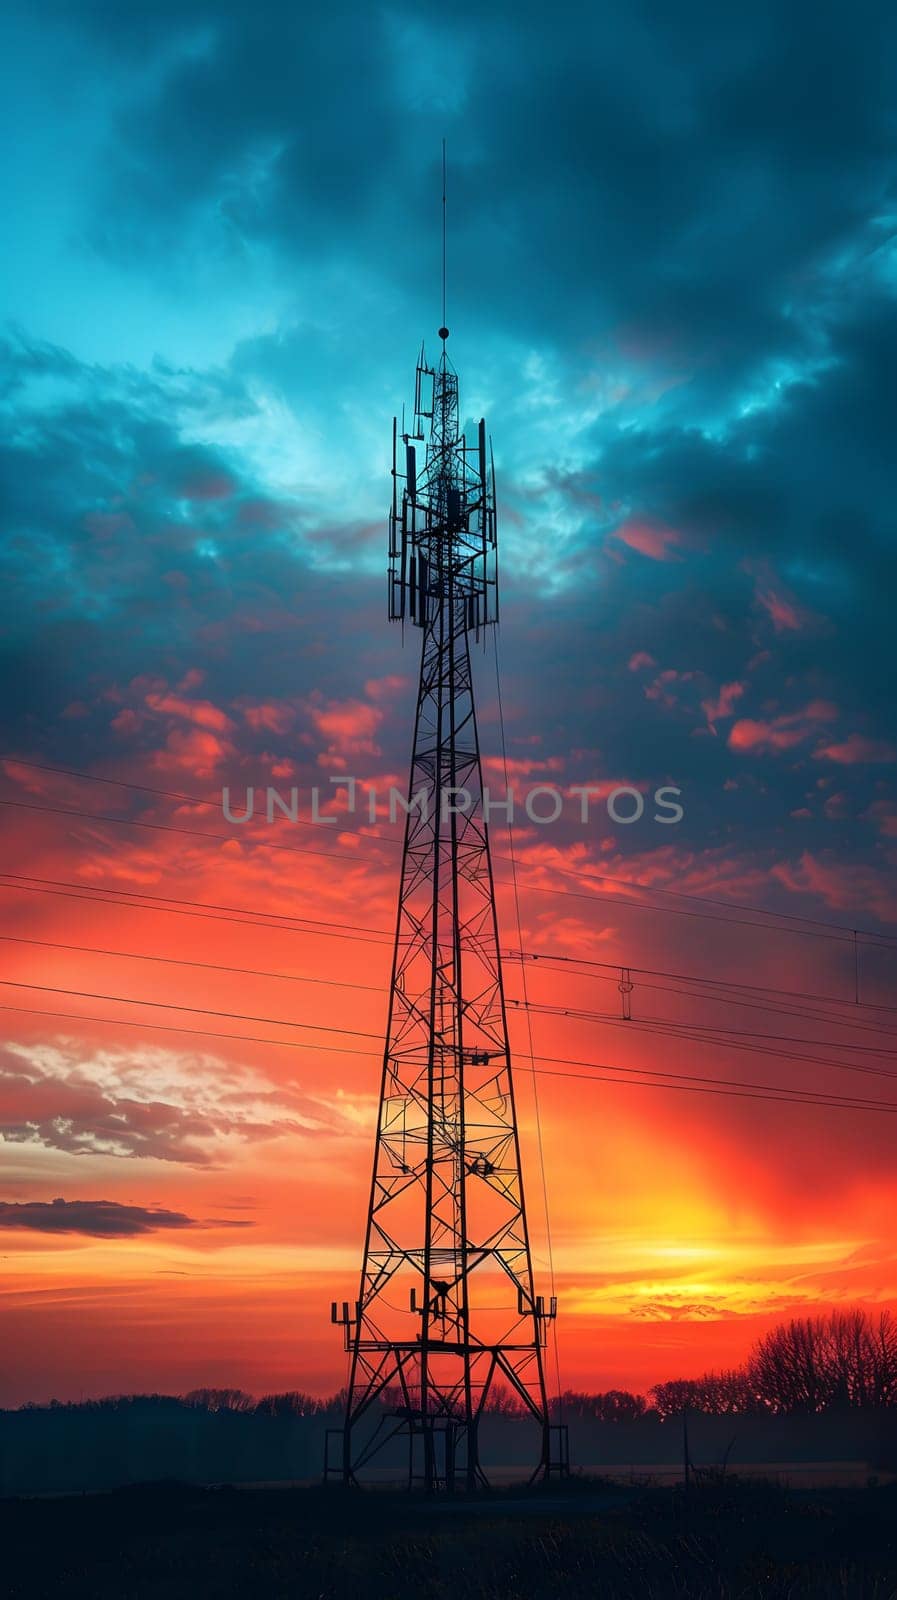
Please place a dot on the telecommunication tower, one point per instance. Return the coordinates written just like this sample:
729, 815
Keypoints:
447, 1314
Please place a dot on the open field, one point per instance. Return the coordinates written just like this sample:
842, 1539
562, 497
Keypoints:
587, 1537
146, 1439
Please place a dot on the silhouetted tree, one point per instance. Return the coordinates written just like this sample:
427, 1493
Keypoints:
616, 1405
503, 1402
220, 1399
883, 1359
716, 1394
293, 1403
673, 1397
814, 1364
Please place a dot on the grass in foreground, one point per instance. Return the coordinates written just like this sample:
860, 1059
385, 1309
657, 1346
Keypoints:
586, 1539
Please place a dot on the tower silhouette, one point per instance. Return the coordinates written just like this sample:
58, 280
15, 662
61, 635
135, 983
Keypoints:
447, 1314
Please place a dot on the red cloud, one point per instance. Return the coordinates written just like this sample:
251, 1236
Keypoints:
748, 734
784, 615
661, 688
381, 688
194, 750
641, 659
841, 885
780, 733
127, 721
348, 723
275, 716
855, 749
770, 594
884, 815
349, 726
520, 767
723, 705
651, 539
202, 712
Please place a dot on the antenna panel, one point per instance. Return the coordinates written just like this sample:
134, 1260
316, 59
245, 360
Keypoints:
442, 529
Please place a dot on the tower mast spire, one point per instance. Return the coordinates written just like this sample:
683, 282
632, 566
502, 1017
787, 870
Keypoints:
443, 330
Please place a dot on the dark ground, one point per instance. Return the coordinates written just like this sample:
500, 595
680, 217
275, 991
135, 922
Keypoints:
141, 1439
584, 1538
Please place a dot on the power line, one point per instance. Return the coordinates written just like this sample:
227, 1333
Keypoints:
694, 1032
800, 1013
733, 1094
693, 1029
633, 1077
586, 1013
694, 977
705, 1033
202, 1033
174, 907
329, 1028
776, 1054
706, 916
181, 961
170, 827
831, 930
354, 932
173, 794
200, 1011
529, 888
769, 1090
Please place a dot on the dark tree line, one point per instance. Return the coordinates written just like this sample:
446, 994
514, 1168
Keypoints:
234, 1402
845, 1360
292, 1403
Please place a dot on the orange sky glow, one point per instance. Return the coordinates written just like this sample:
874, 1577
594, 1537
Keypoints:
683, 1224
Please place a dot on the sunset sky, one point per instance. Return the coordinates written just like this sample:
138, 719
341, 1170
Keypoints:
672, 280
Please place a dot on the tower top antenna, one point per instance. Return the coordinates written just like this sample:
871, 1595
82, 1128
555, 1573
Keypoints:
443, 330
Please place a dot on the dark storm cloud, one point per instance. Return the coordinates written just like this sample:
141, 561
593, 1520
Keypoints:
136, 553
672, 172
777, 579
101, 1219
685, 213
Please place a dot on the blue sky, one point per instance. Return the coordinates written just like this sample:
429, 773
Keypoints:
671, 290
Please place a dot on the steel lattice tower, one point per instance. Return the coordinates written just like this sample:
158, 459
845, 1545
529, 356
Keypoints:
447, 1310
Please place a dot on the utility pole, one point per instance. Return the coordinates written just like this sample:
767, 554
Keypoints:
447, 1314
